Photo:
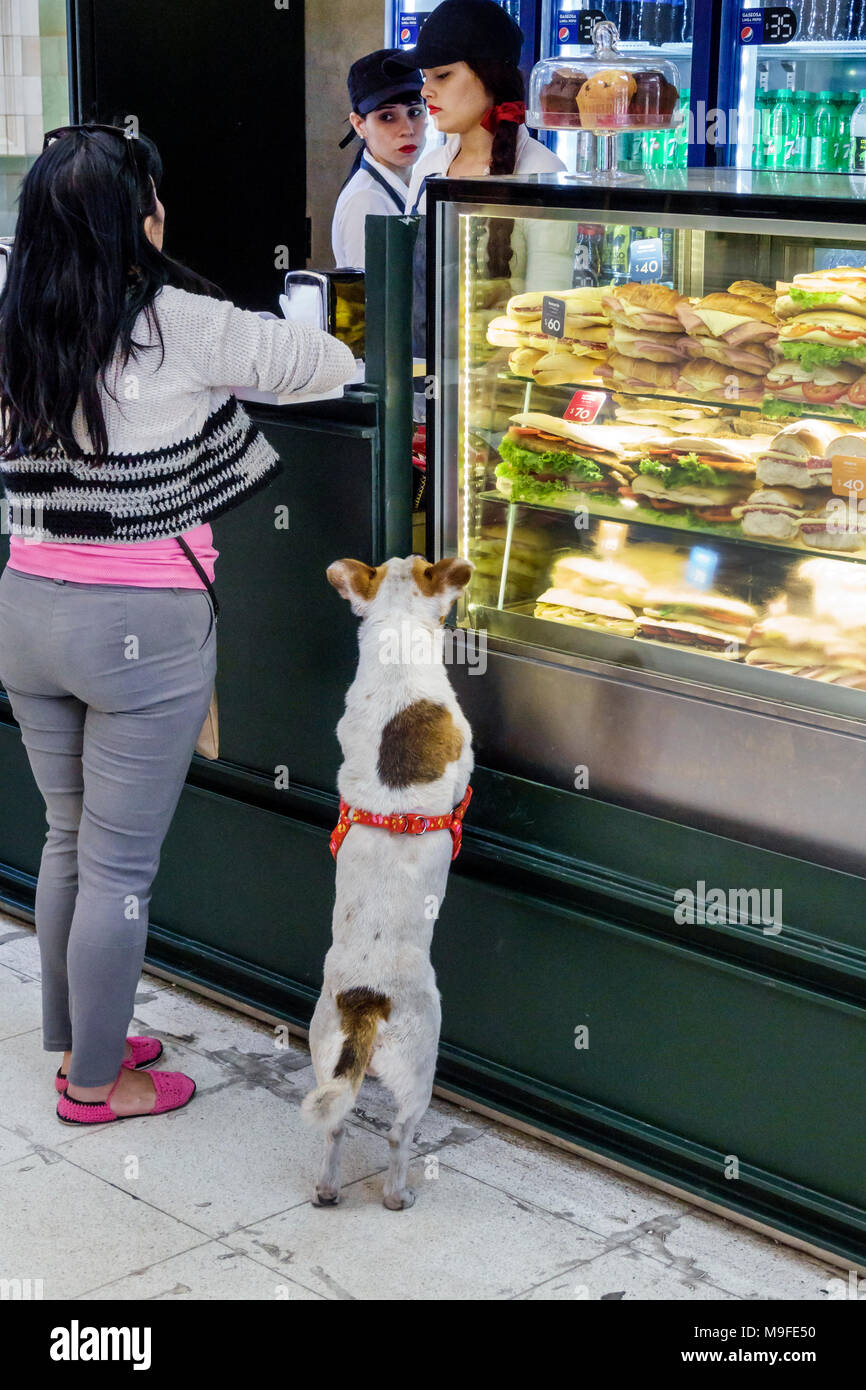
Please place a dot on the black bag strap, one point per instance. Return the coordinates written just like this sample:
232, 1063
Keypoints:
201, 574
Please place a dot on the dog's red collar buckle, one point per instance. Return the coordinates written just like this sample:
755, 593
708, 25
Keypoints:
408, 824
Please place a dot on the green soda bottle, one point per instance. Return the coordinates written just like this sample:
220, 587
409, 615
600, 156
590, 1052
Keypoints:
681, 135
781, 128
803, 117
845, 104
822, 134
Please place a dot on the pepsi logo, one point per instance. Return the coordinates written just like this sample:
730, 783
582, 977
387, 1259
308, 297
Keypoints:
746, 33
405, 35
562, 35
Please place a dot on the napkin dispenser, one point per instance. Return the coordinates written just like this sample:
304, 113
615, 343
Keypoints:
328, 299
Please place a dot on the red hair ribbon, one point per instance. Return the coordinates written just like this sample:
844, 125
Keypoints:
506, 111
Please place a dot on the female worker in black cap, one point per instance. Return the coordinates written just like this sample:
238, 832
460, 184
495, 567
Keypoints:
388, 115
469, 51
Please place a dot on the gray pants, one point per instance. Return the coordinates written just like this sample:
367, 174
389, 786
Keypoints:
110, 685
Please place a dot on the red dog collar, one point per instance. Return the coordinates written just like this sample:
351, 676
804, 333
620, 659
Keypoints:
408, 824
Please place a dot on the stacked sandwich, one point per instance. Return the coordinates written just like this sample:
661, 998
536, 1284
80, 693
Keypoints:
822, 341
705, 475
728, 344
598, 594
794, 498
644, 352
546, 459
548, 360
697, 621
809, 647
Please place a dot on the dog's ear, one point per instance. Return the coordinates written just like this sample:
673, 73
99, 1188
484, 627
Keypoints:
447, 578
355, 581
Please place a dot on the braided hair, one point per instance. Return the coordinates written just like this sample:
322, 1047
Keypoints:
504, 82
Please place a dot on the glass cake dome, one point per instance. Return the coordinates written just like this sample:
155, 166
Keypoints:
608, 92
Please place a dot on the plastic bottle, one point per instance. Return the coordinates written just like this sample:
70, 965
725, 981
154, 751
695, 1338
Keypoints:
845, 102
619, 255
803, 121
781, 126
857, 158
587, 254
822, 133
759, 154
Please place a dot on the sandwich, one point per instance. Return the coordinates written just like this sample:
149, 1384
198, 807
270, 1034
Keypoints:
522, 360
708, 476
644, 307
731, 317
583, 610
583, 306
751, 357
562, 368
705, 620
712, 381
797, 455
754, 290
527, 560
581, 574
818, 383
787, 641
775, 513
837, 526
654, 347
842, 288
637, 373
506, 332
824, 338
542, 455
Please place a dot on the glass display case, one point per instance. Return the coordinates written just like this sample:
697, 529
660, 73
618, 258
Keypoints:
654, 453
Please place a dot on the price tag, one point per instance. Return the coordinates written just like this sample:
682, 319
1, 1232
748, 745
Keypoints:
552, 316
767, 26
849, 476
645, 259
584, 406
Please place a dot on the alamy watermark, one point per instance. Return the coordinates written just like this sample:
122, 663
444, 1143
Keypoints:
408, 644
719, 907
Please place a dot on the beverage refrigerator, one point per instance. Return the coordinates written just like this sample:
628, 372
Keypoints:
403, 19
790, 80
685, 32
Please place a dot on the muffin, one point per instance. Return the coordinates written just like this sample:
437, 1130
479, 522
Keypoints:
558, 97
603, 100
654, 100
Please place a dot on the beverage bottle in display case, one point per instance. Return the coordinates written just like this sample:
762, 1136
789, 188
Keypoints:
845, 103
857, 158
803, 128
614, 255
822, 133
587, 254
780, 128
759, 157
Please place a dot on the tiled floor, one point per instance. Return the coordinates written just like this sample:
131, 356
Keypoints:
213, 1202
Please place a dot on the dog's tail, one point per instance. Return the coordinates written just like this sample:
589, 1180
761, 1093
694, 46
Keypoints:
361, 1009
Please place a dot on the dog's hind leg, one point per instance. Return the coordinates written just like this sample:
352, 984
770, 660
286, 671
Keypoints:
327, 1192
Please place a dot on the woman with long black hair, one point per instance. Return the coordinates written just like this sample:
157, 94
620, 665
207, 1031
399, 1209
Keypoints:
120, 440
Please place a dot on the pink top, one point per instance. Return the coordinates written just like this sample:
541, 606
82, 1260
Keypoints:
146, 564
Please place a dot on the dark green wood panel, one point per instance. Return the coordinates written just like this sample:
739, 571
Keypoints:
286, 653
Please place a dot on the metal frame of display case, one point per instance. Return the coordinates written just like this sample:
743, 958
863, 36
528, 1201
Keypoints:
712, 1041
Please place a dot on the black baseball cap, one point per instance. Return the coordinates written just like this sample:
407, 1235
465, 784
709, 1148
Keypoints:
371, 86
461, 31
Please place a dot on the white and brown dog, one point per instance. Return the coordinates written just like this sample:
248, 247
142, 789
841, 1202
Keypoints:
408, 756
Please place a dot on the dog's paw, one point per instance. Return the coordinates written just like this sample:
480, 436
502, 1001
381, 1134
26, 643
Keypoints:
399, 1201
326, 1197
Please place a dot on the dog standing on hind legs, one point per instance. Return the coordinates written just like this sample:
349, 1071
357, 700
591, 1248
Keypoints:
404, 782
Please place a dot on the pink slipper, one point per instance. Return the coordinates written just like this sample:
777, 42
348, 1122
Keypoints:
173, 1091
145, 1051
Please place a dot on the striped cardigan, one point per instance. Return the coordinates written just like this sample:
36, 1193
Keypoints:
182, 450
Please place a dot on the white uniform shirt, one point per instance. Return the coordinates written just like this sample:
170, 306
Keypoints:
373, 189
531, 157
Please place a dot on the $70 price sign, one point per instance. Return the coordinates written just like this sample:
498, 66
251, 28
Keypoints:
584, 406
